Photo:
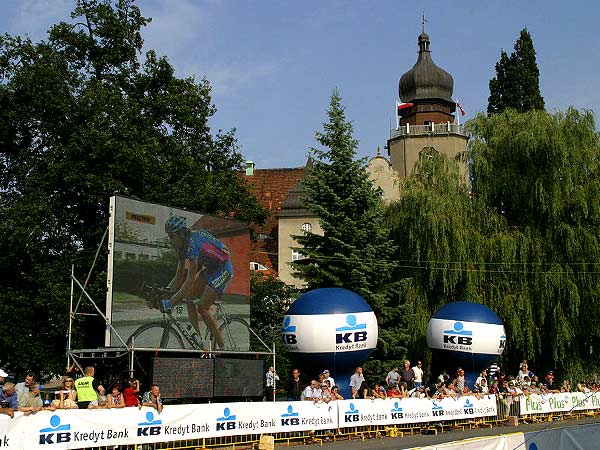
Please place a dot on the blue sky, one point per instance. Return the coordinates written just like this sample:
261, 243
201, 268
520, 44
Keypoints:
274, 64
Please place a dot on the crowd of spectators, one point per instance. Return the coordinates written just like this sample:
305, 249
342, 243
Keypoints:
409, 382
85, 392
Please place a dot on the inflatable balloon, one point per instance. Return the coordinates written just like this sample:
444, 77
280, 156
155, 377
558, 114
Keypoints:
330, 328
466, 335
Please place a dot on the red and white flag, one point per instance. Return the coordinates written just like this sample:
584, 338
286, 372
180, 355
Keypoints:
462, 111
401, 106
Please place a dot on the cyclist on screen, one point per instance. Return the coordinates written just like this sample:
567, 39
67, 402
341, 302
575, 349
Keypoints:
203, 272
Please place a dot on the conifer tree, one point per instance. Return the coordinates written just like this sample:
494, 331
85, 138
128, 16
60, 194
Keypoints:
517, 81
355, 251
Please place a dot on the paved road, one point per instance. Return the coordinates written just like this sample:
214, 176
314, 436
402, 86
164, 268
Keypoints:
408, 441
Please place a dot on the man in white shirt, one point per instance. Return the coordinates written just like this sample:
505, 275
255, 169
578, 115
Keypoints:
356, 381
418, 370
329, 378
270, 383
312, 392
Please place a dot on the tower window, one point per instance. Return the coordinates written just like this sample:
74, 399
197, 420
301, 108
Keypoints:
307, 227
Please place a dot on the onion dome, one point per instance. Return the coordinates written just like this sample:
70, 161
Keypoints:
425, 80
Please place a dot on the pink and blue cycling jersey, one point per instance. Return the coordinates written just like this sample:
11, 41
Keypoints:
214, 256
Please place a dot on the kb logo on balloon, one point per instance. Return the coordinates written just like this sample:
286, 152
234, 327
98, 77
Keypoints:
353, 335
458, 336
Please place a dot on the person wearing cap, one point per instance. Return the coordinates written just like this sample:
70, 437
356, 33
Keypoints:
3, 377
31, 402
328, 378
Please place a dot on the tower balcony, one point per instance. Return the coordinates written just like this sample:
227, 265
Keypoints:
428, 130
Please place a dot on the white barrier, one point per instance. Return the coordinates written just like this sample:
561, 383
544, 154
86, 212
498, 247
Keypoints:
567, 401
71, 429
393, 411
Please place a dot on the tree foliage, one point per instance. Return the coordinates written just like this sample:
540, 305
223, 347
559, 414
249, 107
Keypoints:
355, 251
523, 240
270, 298
517, 81
82, 115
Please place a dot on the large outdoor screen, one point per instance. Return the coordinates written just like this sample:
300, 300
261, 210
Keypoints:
177, 279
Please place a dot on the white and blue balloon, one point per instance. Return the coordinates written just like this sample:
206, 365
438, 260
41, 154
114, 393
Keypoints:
330, 328
467, 335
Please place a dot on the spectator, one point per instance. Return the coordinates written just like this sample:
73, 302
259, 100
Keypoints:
404, 390
482, 375
550, 381
493, 371
116, 399
131, 393
66, 398
407, 374
25, 386
3, 377
418, 374
88, 388
394, 392
459, 381
325, 391
293, 387
31, 402
436, 390
101, 402
523, 372
328, 378
9, 401
566, 386
444, 377
335, 394
356, 381
393, 377
271, 379
312, 392
378, 391
152, 398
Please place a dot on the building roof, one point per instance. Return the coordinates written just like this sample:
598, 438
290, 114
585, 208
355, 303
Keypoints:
425, 81
271, 188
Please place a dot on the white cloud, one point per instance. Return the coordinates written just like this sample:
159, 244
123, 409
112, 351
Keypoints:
35, 17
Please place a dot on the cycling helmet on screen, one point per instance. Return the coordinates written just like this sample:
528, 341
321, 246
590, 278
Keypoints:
174, 224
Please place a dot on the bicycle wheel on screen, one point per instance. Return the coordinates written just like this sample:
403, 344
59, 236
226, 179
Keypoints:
156, 335
236, 335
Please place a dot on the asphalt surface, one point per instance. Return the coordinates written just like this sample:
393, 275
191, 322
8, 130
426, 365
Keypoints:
422, 440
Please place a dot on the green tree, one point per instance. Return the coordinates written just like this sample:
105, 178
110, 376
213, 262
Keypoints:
553, 201
517, 81
355, 251
81, 117
270, 298
522, 239
432, 225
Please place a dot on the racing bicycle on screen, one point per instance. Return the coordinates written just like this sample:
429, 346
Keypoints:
171, 332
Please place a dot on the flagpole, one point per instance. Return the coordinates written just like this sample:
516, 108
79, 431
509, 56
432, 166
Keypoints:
457, 111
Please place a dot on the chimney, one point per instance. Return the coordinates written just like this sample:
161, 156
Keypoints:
249, 168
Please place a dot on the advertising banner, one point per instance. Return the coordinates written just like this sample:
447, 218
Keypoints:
176, 278
72, 429
544, 404
412, 410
